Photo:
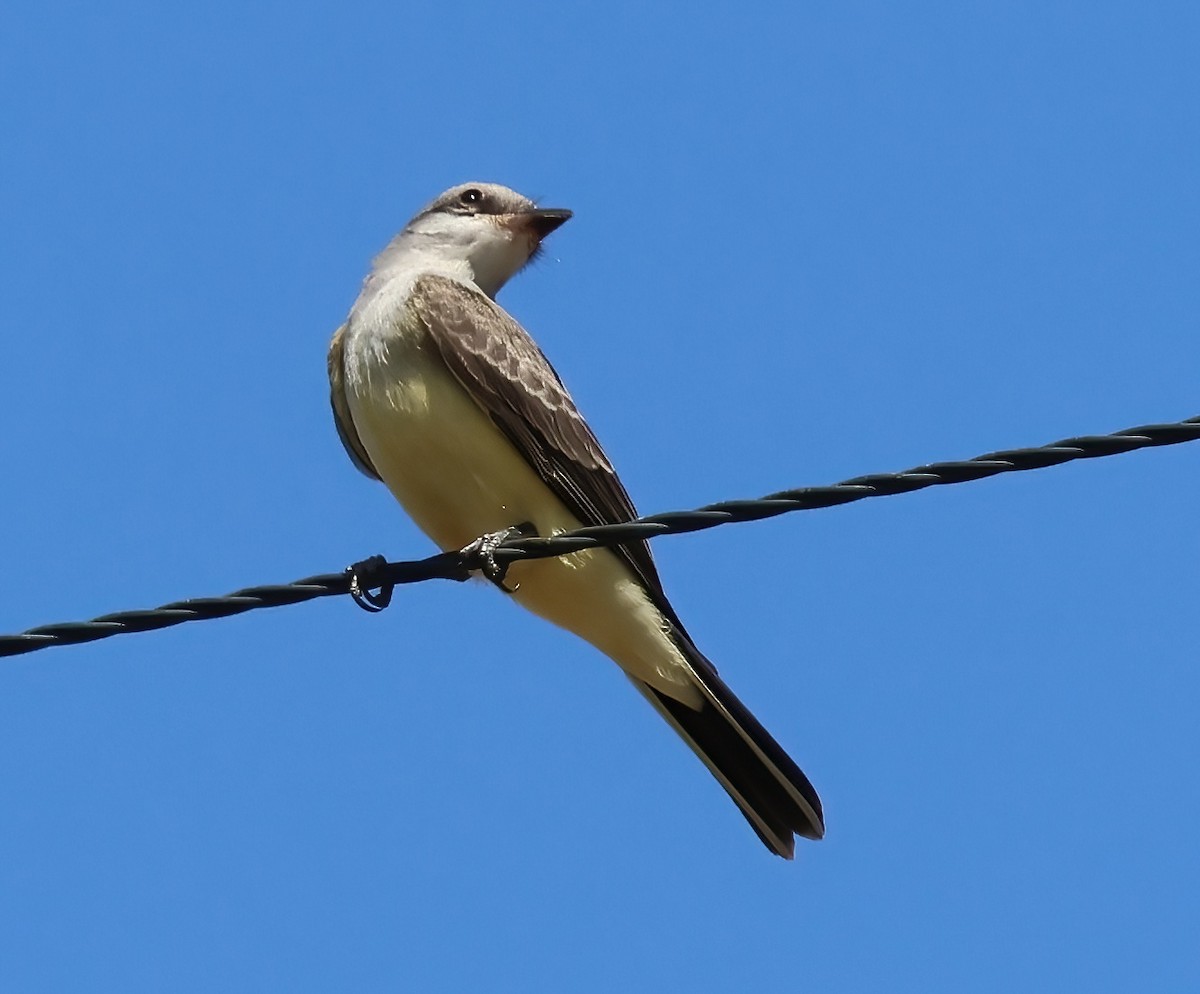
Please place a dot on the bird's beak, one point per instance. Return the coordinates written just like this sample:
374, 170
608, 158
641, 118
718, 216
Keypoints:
543, 221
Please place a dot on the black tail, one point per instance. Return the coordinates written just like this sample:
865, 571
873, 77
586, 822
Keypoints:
768, 787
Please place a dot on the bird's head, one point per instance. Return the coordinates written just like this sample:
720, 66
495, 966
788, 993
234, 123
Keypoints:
495, 231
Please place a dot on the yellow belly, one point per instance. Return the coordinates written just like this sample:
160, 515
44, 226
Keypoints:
459, 477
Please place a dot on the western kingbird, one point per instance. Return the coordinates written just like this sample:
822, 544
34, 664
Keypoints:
441, 395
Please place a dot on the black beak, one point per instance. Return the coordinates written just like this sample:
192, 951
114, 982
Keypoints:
542, 222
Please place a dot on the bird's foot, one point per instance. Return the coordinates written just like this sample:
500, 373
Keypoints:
485, 548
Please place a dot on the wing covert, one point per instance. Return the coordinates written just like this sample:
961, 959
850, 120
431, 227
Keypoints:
341, 407
512, 381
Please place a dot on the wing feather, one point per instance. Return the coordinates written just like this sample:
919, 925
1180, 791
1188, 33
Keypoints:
341, 407
512, 381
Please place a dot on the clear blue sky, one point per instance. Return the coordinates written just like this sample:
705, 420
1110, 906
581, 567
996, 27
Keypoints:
810, 242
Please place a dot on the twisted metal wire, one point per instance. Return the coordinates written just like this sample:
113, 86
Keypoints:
377, 573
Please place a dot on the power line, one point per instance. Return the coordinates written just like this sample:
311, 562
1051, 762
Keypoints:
377, 573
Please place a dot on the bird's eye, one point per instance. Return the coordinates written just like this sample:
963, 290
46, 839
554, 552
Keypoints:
471, 197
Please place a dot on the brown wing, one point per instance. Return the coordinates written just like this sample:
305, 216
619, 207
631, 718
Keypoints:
341, 408
507, 375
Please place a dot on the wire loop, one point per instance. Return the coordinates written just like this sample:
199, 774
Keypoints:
364, 576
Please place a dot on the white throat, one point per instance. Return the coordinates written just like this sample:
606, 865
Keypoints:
476, 250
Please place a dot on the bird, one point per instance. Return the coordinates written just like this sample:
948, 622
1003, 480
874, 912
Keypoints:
442, 396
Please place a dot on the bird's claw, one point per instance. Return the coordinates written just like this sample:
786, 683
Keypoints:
485, 548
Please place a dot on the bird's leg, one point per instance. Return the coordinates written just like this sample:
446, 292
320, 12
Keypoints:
485, 548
